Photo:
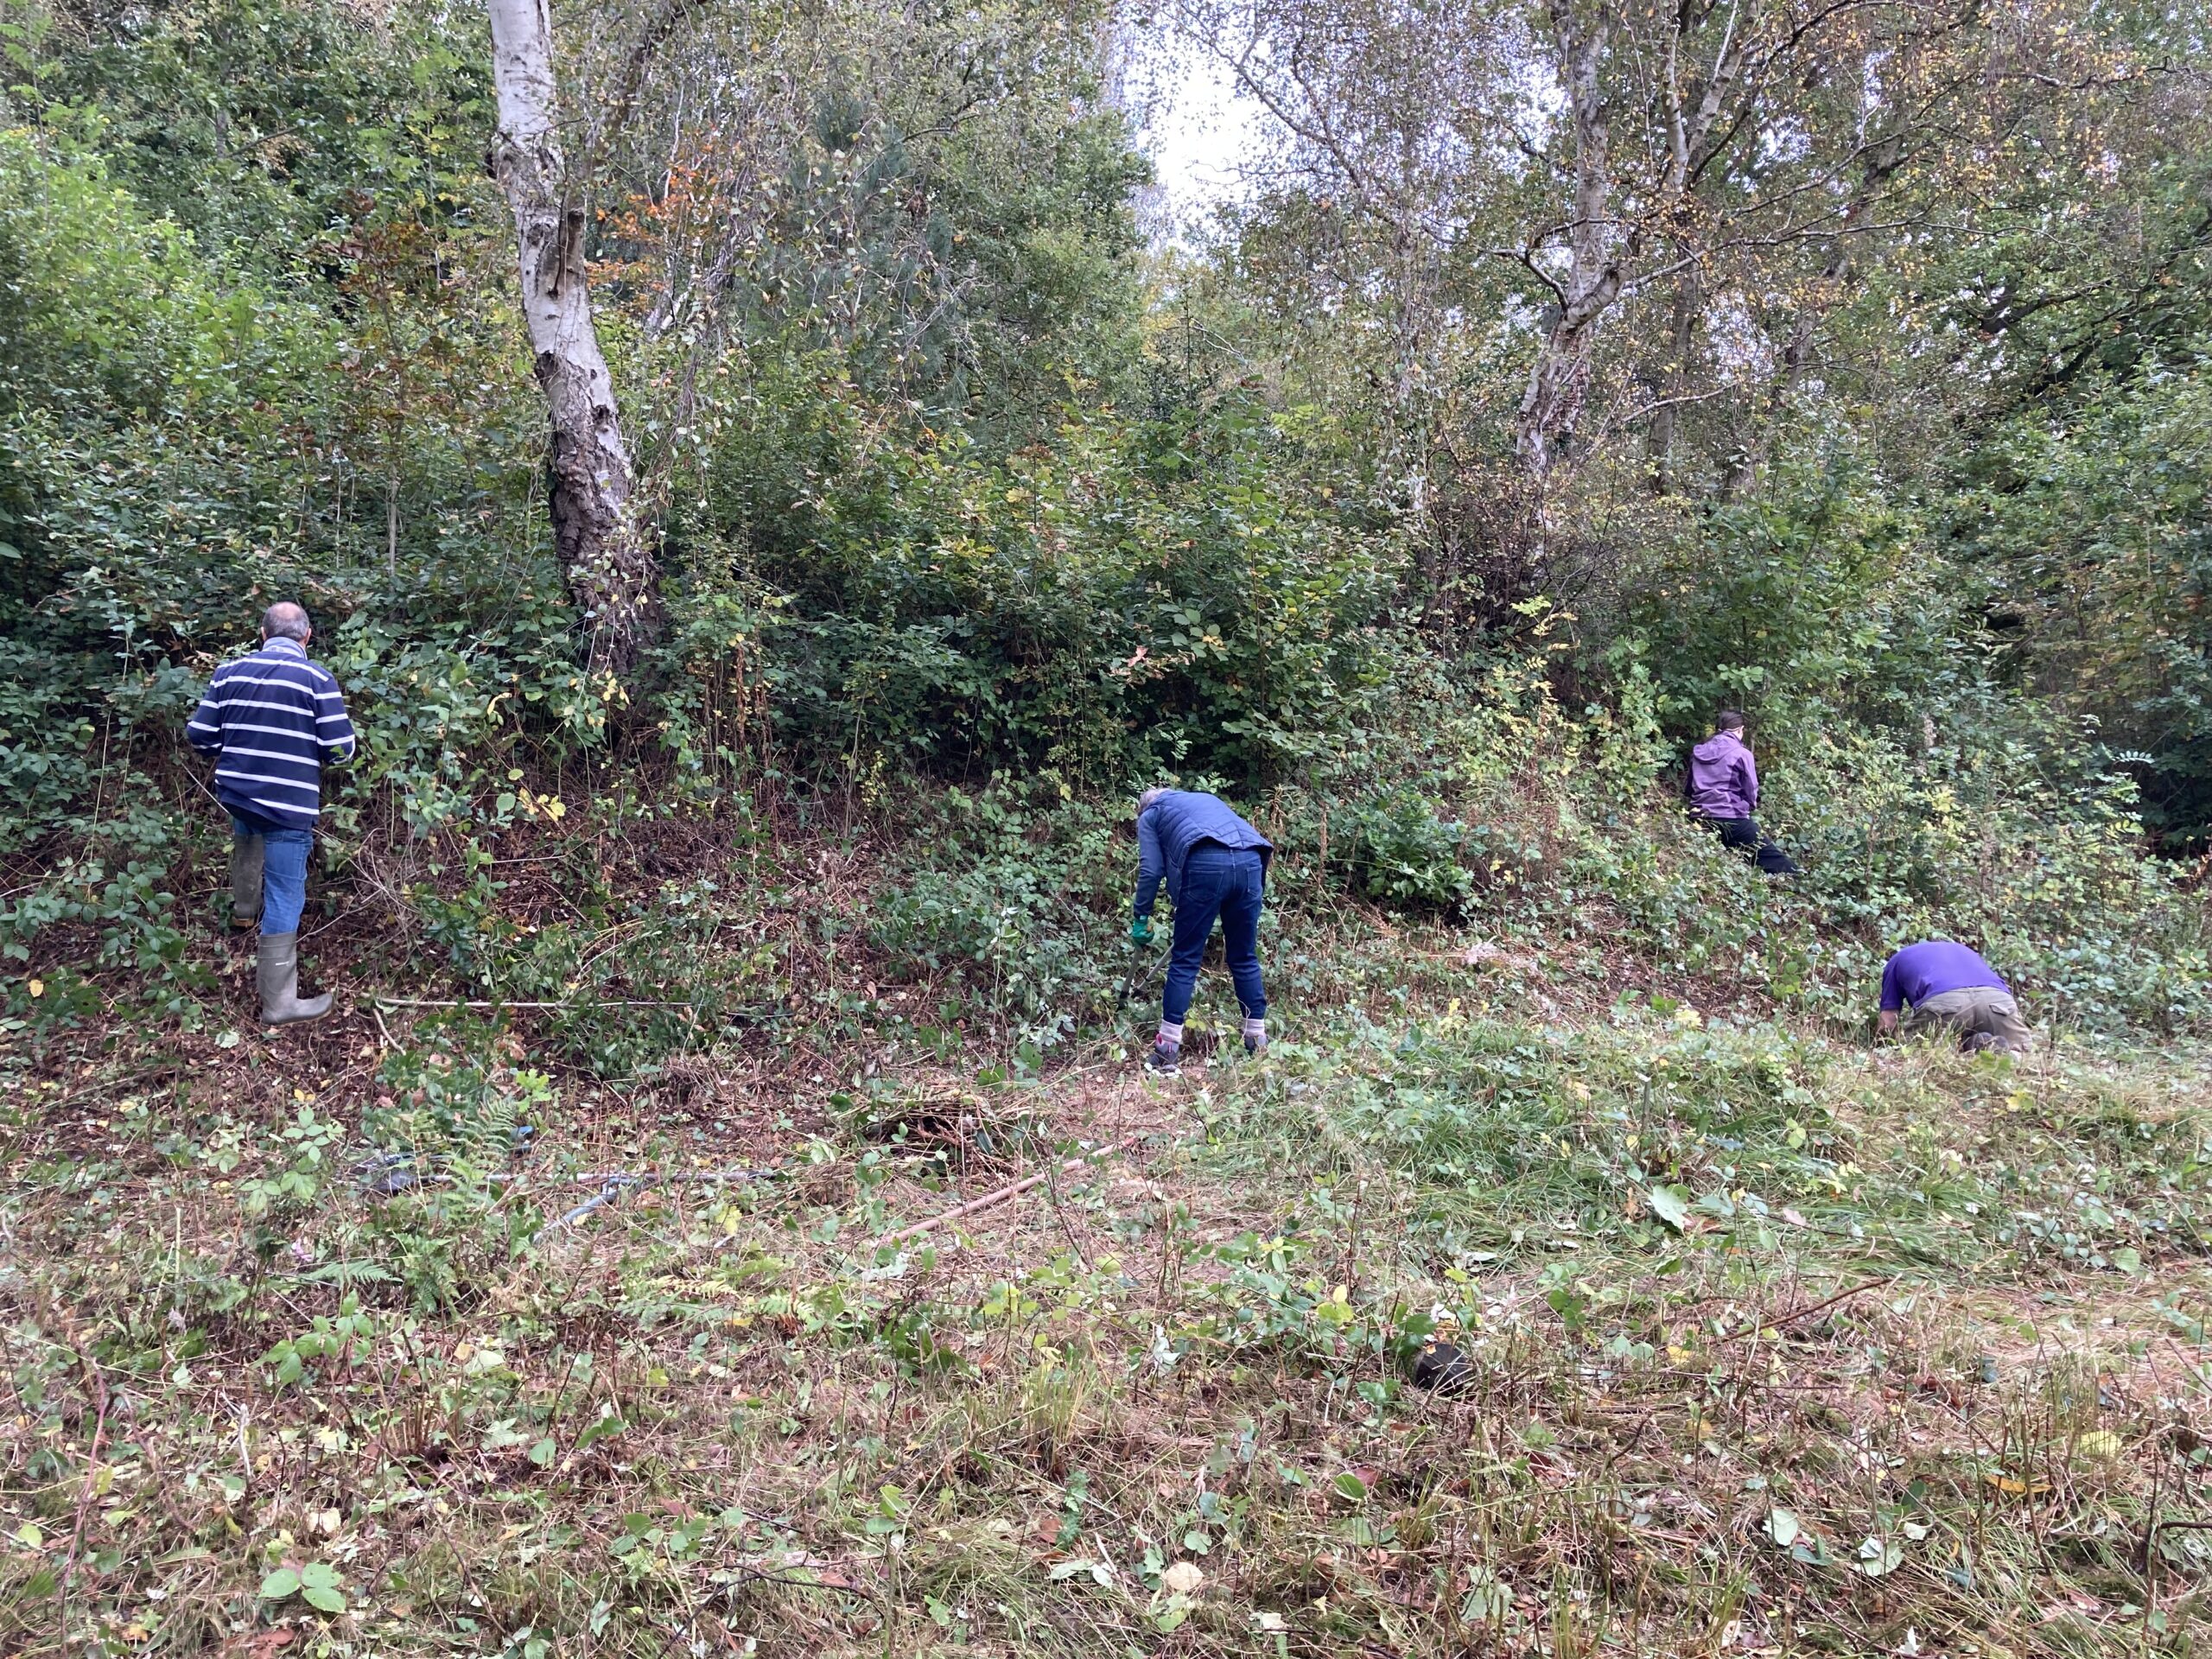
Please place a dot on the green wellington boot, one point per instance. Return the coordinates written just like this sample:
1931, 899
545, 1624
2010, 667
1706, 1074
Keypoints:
277, 973
246, 853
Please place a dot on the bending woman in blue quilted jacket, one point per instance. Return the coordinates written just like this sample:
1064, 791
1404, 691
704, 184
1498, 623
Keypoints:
1214, 865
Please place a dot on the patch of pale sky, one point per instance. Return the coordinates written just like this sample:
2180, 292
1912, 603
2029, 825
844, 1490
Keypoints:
1203, 135
1206, 137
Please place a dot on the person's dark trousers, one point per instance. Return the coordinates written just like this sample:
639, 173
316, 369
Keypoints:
1743, 835
1217, 882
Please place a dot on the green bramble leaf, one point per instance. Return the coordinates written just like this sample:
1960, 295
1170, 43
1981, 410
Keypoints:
1671, 1204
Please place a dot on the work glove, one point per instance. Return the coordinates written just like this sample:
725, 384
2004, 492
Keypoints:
1140, 930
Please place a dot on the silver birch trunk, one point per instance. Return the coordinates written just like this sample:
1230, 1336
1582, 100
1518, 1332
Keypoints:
1602, 251
1559, 381
599, 532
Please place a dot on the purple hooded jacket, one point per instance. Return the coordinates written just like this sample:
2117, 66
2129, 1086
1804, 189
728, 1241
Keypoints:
1724, 780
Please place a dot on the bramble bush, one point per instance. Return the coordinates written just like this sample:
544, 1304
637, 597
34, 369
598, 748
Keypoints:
1126, 598
1406, 856
1019, 897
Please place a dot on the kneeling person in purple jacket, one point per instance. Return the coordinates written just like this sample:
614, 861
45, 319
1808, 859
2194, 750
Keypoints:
273, 720
1950, 989
1215, 866
1723, 789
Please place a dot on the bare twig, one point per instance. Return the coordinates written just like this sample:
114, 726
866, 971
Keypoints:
595, 1002
1807, 1312
992, 1200
96, 1386
651, 37
1053, 1191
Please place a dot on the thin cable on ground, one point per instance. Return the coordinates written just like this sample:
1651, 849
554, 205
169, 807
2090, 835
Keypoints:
614, 1183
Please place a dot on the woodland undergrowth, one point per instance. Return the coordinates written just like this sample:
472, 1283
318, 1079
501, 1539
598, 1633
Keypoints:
551, 1297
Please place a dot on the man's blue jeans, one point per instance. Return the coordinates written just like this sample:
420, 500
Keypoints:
283, 870
1217, 882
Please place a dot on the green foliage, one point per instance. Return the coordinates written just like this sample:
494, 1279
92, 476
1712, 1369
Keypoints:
451, 1120
1018, 279
316, 1583
44, 738
1128, 598
1494, 1122
2099, 520
2009, 841
976, 513
628, 979
329, 1337
951, 494
138, 386
308, 1146
471, 1114
1816, 594
1017, 897
1407, 855
452, 684
254, 124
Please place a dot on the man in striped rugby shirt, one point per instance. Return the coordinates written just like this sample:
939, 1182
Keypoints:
273, 720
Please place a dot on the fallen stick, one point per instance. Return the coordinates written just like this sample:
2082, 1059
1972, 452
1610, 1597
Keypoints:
672, 1175
96, 1385
1807, 1312
596, 1002
990, 1200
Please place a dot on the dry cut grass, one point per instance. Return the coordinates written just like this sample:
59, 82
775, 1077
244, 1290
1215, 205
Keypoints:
1753, 1344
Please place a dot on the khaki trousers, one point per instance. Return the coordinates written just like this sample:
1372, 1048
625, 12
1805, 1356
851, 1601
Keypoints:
1983, 1016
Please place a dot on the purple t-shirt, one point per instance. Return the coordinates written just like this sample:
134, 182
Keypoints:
1931, 968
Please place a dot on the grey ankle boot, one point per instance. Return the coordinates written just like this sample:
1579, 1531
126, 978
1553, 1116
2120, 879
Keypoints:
277, 972
246, 854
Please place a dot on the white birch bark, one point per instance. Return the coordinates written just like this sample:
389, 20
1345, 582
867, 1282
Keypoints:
598, 530
1604, 251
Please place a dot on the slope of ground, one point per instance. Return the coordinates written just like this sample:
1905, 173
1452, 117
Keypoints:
375, 1338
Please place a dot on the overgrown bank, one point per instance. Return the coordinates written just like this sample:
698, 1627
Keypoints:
1574, 1274
1763, 1339
1764, 1335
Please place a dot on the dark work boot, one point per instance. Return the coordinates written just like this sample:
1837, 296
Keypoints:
278, 974
246, 854
1163, 1061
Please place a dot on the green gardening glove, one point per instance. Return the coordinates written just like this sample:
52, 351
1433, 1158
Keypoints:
1140, 930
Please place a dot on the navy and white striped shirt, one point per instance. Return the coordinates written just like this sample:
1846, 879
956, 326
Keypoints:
272, 720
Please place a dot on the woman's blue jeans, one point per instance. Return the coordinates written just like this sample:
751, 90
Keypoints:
1217, 882
283, 870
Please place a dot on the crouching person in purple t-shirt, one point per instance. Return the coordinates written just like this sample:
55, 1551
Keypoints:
1950, 989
